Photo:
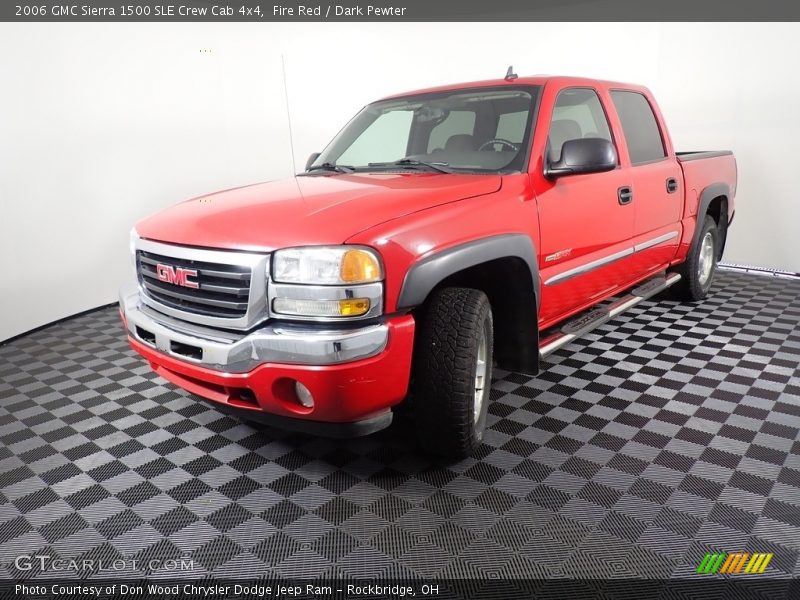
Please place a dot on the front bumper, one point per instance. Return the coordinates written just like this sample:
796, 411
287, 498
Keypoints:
355, 375
238, 352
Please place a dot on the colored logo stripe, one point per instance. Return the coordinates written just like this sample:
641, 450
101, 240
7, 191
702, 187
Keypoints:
741, 563
758, 564
711, 563
734, 563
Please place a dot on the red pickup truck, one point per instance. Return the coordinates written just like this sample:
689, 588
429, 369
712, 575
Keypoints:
441, 231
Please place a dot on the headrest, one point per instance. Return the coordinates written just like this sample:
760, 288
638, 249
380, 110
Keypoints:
460, 142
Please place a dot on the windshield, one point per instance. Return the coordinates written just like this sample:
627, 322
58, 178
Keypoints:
480, 130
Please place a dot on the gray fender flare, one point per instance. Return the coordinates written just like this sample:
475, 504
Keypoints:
426, 274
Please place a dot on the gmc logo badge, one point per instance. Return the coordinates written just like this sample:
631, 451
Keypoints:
176, 275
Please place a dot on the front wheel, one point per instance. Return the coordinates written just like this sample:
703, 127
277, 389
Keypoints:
697, 272
453, 371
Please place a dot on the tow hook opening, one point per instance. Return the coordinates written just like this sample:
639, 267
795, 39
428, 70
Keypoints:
146, 336
243, 396
187, 350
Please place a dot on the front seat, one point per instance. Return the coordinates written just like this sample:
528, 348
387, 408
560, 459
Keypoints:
561, 130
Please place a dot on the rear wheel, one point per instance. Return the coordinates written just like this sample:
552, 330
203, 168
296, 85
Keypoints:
697, 272
452, 371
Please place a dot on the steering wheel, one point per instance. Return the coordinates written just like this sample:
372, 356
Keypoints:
491, 142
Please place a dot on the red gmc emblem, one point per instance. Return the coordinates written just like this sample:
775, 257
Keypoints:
176, 275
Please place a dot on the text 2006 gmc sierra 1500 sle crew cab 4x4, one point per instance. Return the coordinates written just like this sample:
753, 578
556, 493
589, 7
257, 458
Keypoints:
439, 233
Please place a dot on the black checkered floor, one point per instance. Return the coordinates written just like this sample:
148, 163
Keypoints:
669, 433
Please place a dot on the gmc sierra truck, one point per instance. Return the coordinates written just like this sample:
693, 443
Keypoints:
440, 233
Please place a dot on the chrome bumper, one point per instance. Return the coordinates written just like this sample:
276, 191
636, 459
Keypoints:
240, 353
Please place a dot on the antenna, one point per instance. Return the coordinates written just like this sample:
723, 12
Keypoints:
288, 115
510, 75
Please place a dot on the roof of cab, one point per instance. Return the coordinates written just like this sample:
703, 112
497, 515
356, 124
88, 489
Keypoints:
532, 80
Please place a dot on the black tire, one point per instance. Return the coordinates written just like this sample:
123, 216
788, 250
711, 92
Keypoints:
692, 286
449, 330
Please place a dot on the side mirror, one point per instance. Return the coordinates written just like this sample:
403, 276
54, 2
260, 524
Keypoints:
311, 159
584, 155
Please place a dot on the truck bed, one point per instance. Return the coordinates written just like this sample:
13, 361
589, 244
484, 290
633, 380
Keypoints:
699, 154
704, 169
706, 175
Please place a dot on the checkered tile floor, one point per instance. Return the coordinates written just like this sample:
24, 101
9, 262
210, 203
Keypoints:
669, 433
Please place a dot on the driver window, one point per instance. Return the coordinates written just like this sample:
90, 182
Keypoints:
577, 114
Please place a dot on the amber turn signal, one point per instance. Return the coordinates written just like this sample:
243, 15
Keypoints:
359, 266
350, 307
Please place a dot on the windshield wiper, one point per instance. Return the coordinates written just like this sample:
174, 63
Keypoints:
441, 167
329, 166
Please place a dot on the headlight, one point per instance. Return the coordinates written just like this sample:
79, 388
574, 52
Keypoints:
326, 283
326, 265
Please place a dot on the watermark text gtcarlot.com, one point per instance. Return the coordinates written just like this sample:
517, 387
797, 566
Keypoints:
43, 562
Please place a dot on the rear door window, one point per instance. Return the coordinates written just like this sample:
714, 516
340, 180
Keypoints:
640, 126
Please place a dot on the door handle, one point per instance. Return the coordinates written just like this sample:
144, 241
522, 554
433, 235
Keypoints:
672, 185
625, 195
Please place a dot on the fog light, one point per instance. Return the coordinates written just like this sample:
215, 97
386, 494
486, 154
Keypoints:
303, 395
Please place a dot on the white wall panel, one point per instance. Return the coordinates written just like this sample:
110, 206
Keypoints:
102, 124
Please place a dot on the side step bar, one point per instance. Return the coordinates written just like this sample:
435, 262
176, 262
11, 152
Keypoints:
595, 317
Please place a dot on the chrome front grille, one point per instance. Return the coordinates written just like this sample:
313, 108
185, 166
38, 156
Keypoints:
210, 287
222, 290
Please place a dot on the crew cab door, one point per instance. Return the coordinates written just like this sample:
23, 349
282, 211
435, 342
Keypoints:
585, 220
657, 181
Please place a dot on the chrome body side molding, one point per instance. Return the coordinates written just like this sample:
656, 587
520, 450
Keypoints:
605, 260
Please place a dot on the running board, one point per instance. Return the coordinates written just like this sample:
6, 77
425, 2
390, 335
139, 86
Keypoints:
595, 317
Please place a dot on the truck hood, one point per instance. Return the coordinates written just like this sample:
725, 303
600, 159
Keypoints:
307, 210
